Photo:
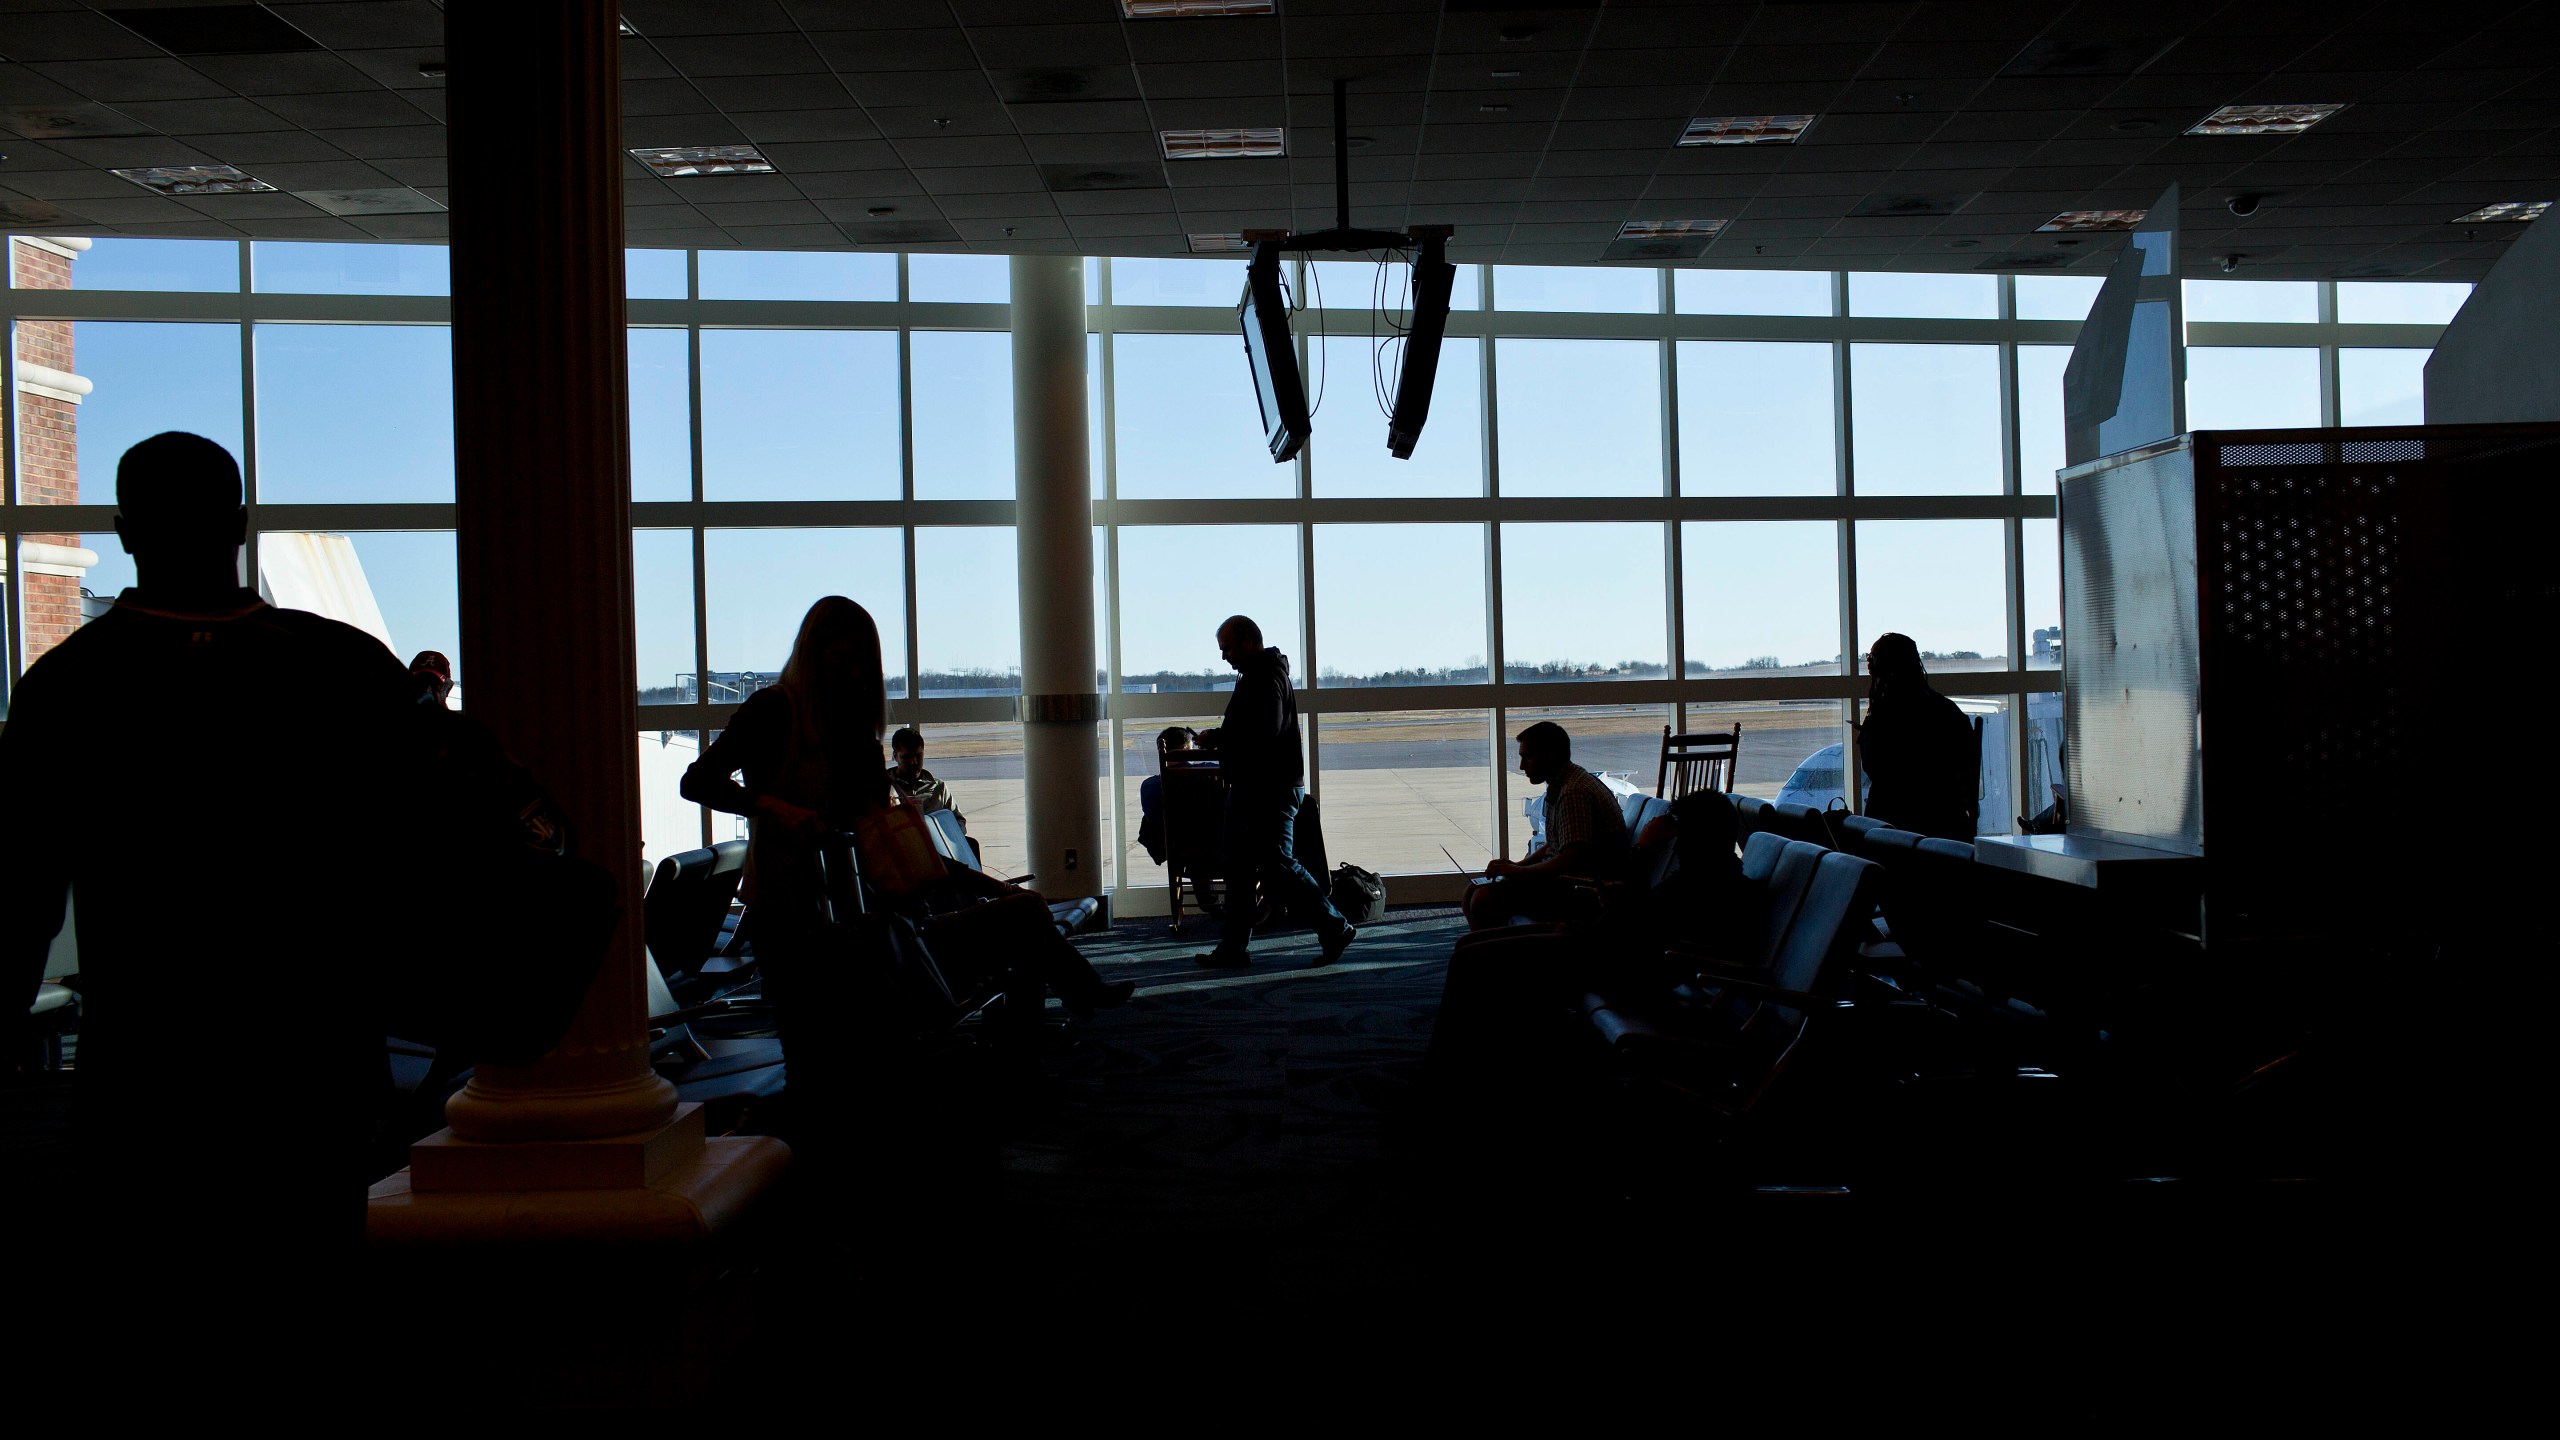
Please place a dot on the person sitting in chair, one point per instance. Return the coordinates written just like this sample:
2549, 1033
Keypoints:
1586, 837
1171, 740
914, 783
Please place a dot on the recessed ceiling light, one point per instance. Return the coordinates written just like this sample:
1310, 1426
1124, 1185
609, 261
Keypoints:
1222, 242
193, 179
2505, 210
2263, 119
1503, 75
391, 200
2094, 220
1194, 9
674, 162
1222, 144
1745, 129
1494, 109
1666, 229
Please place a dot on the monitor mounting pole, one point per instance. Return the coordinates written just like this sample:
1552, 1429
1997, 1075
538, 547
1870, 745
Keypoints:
1342, 237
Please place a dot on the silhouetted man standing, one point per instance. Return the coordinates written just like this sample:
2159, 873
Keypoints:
1259, 753
213, 777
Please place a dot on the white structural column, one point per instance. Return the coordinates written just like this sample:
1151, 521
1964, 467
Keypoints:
1053, 489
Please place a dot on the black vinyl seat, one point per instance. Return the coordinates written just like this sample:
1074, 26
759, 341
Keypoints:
1724, 1039
1751, 815
1800, 822
686, 919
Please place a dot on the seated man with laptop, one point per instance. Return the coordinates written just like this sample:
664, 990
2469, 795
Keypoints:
1586, 838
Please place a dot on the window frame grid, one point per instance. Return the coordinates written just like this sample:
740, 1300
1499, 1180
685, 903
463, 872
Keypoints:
1489, 509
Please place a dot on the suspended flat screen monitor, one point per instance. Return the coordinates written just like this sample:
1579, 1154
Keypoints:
1433, 279
1277, 385
2126, 384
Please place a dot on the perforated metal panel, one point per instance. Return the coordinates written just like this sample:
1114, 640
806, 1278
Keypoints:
2296, 604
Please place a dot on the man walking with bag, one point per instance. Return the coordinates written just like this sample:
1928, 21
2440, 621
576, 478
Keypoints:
1265, 768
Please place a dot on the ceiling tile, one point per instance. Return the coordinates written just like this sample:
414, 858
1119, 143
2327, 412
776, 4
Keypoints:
738, 94
702, 56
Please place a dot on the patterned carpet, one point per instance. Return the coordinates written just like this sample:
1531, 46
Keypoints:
1234, 1117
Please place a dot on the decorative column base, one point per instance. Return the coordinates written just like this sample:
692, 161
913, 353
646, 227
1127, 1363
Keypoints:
653, 1233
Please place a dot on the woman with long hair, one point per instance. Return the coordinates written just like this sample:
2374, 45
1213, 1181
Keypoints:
808, 747
1922, 764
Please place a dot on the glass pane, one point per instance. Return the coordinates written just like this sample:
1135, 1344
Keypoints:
661, 416
1925, 419
142, 379
1178, 583
798, 275
1347, 455
979, 279
2040, 571
669, 824
1622, 744
968, 619
2044, 752
1790, 748
1178, 282
762, 581
1930, 297
2252, 388
1406, 792
1761, 597
2399, 302
662, 611
1939, 582
981, 763
1187, 424
2041, 448
963, 395
355, 414
653, 274
298, 267
1579, 417
1093, 432
1583, 602
1751, 292
1092, 280
2279, 301
113, 264
1756, 419
1353, 285
1400, 605
2382, 387
800, 414
1137, 796
2057, 297
1991, 784
63, 582
1576, 288
397, 586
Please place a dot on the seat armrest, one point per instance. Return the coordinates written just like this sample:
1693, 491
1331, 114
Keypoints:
1762, 990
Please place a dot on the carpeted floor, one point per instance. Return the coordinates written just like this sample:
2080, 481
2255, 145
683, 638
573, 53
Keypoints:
1226, 1109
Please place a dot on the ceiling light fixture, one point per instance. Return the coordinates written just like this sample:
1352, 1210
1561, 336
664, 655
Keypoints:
2093, 220
1493, 109
1221, 242
1745, 129
2515, 211
1503, 75
1232, 143
1195, 9
2263, 119
675, 162
1670, 229
193, 179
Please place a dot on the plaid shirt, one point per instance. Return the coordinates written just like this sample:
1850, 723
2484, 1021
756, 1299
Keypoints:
1582, 810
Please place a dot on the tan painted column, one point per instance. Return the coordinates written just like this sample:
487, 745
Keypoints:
1053, 514
542, 496
589, 1142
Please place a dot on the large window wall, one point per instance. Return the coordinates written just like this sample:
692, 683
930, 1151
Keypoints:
1645, 498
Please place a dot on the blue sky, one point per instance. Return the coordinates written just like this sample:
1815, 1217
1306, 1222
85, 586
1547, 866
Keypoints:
361, 413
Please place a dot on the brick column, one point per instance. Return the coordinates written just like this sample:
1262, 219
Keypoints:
48, 444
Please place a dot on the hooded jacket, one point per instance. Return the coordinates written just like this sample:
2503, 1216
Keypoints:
1258, 741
